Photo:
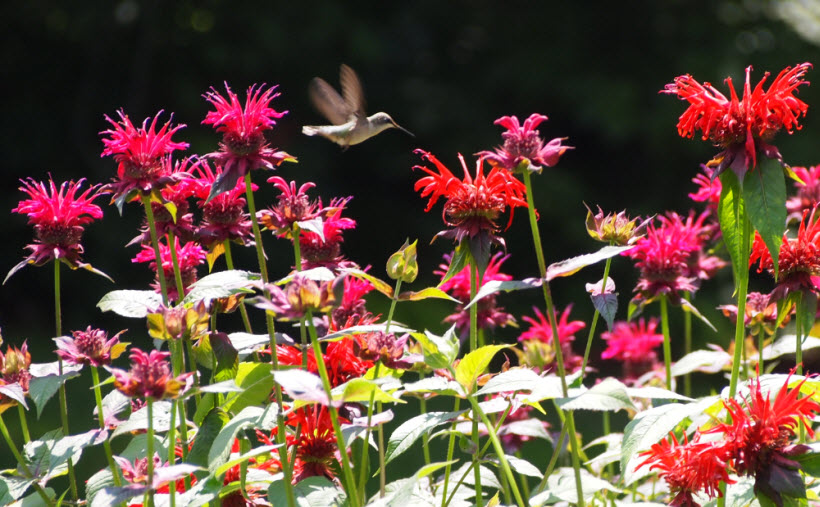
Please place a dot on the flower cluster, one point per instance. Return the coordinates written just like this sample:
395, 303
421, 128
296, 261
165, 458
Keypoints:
523, 148
633, 344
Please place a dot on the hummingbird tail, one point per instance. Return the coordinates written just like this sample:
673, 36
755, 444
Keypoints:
309, 130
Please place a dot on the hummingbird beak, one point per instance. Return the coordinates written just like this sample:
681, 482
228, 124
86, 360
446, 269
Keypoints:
396, 125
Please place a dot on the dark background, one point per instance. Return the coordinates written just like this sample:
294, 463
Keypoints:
444, 70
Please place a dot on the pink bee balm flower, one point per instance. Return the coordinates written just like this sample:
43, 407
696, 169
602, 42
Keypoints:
523, 148
223, 217
58, 217
326, 250
540, 333
808, 192
189, 256
709, 188
150, 377
91, 346
243, 146
741, 127
474, 204
293, 206
633, 344
352, 310
139, 153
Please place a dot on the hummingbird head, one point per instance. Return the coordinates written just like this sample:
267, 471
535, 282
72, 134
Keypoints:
382, 121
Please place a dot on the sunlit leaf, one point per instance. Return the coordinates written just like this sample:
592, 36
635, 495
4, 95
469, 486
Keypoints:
411, 430
130, 303
571, 266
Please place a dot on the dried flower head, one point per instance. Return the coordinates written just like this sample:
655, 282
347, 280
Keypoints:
91, 346
150, 377
615, 229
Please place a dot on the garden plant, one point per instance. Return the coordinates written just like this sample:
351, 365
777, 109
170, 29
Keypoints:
309, 398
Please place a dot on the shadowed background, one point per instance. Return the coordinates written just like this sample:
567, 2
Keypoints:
445, 71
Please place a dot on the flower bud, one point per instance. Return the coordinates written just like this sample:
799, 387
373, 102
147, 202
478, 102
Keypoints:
403, 264
614, 229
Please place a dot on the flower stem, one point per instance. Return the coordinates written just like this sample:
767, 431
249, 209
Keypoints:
559, 357
363, 473
95, 380
799, 332
687, 347
473, 346
149, 452
172, 246
23, 424
745, 227
553, 459
667, 345
450, 449
152, 227
58, 318
229, 263
280, 416
21, 461
594, 321
334, 414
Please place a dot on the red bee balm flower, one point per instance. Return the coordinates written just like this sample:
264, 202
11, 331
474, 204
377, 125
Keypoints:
223, 217
473, 205
523, 148
326, 250
741, 127
139, 153
58, 217
150, 376
189, 256
243, 146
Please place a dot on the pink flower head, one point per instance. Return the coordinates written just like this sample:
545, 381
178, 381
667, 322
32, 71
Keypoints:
150, 377
799, 259
14, 366
293, 206
538, 339
91, 346
243, 146
474, 204
299, 296
741, 127
189, 256
327, 251
633, 344
709, 188
808, 192
523, 148
223, 217
137, 472
352, 309
760, 315
139, 153
58, 217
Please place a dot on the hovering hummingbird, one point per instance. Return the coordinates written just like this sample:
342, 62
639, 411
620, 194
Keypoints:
346, 112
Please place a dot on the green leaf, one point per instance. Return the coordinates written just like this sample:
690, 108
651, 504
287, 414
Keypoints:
787, 344
138, 421
302, 385
249, 417
257, 382
732, 217
689, 307
708, 361
403, 489
806, 312
514, 379
429, 292
369, 328
607, 306
221, 285
474, 364
378, 284
571, 266
130, 303
42, 388
359, 390
409, 431
764, 190
494, 286
47, 457
227, 358
310, 492
461, 257
809, 463
608, 395
438, 385
439, 351
209, 429
561, 488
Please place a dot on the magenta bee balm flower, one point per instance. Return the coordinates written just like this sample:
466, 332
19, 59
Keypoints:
91, 346
150, 377
523, 147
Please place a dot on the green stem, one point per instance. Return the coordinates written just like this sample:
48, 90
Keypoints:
23, 424
742, 287
559, 357
229, 263
473, 346
450, 449
280, 416
392, 309
172, 456
524, 482
687, 347
350, 482
363, 473
152, 227
95, 380
553, 459
58, 319
606, 431
149, 452
799, 332
667, 345
594, 321
297, 249
22, 463
172, 246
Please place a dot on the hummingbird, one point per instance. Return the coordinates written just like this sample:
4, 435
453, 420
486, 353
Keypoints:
350, 124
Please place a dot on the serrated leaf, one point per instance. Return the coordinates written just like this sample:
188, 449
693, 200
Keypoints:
514, 379
809, 463
206, 435
608, 395
655, 393
130, 303
561, 488
41, 389
495, 286
732, 217
474, 364
378, 284
249, 417
15, 392
402, 491
428, 293
439, 351
221, 285
524, 467
607, 306
361, 390
310, 492
302, 385
460, 258
138, 421
369, 328
764, 190
571, 266
689, 307
708, 361
45, 457
439, 385
227, 358
411, 430
256, 381
787, 344
314, 225
806, 312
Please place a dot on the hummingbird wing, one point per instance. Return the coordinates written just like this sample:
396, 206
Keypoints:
328, 102
352, 91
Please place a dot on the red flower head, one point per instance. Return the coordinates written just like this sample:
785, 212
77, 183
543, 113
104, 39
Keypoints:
352, 311
223, 217
243, 146
689, 467
316, 450
523, 148
741, 127
326, 250
91, 346
342, 363
633, 344
808, 192
293, 206
798, 262
189, 257
473, 205
150, 377
58, 217
140, 153
490, 315
760, 433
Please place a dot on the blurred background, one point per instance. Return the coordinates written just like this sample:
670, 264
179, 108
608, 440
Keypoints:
443, 70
